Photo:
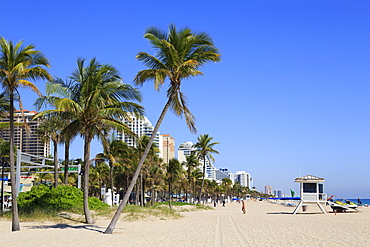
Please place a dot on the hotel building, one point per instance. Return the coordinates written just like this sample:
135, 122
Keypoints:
166, 148
140, 126
27, 141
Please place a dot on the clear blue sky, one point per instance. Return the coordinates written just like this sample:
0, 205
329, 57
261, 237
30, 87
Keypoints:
290, 97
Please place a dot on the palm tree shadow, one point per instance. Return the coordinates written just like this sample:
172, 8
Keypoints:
70, 218
280, 213
66, 226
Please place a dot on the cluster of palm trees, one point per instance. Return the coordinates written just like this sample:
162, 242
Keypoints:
93, 100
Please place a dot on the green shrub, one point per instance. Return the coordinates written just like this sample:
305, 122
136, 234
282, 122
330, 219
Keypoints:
62, 198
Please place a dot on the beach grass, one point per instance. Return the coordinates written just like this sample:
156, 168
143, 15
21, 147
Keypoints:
130, 213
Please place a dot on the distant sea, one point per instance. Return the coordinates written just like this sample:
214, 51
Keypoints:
364, 201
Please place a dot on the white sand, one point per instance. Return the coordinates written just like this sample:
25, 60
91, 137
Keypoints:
265, 224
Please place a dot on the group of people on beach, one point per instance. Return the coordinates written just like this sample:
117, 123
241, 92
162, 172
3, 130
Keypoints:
244, 210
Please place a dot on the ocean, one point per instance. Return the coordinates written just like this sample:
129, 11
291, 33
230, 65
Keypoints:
364, 201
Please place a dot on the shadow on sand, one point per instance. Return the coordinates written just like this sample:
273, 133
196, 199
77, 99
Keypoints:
79, 224
67, 226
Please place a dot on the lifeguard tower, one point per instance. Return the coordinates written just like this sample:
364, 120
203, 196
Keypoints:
311, 191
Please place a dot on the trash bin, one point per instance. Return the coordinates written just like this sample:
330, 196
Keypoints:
304, 208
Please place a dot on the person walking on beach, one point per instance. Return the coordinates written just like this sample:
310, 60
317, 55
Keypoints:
223, 203
243, 207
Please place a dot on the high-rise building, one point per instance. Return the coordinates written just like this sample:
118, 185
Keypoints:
268, 189
27, 139
140, 126
278, 193
185, 149
167, 147
222, 173
242, 177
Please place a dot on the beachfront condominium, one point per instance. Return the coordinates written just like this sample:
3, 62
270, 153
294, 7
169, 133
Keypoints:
185, 149
222, 173
268, 189
242, 177
140, 126
167, 147
27, 139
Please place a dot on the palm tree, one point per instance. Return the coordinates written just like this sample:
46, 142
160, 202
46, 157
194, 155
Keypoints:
95, 99
191, 163
179, 56
50, 130
204, 152
226, 182
155, 175
113, 150
4, 104
19, 65
196, 175
173, 172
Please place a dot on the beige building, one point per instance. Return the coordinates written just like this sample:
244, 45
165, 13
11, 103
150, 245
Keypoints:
167, 148
27, 141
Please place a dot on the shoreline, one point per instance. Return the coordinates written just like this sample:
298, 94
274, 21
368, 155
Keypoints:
264, 224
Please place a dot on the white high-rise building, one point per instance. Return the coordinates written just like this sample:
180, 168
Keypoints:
242, 177
140, 126
185, 149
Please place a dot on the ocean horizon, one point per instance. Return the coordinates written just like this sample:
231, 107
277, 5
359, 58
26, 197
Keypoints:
364, 201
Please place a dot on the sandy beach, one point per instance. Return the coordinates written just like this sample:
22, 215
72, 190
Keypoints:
264, 224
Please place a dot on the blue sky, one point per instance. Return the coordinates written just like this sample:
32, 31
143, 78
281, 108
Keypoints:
290, 97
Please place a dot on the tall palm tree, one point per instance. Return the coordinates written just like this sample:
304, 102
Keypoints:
191, 163
179, 56
196, 175
204, 152
155, 175
173, 172
95, 99
18, 65
50, 130
113, 150
227, 183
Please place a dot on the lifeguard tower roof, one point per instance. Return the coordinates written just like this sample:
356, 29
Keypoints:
309, 178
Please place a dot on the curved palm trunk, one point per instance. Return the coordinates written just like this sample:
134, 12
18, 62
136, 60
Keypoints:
111, 180
66, 160
122, 205
15, 218
204, 172
56, 167
87, 142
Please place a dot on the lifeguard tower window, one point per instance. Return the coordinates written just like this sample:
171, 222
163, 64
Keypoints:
321, 188
309, 188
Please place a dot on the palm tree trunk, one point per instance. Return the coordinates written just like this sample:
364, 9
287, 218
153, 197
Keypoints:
137, 194
66, 160
15, 219
169, 195
111, 181
87, 141
122, 205
153, 191
142, 190
56, 167
204, 171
